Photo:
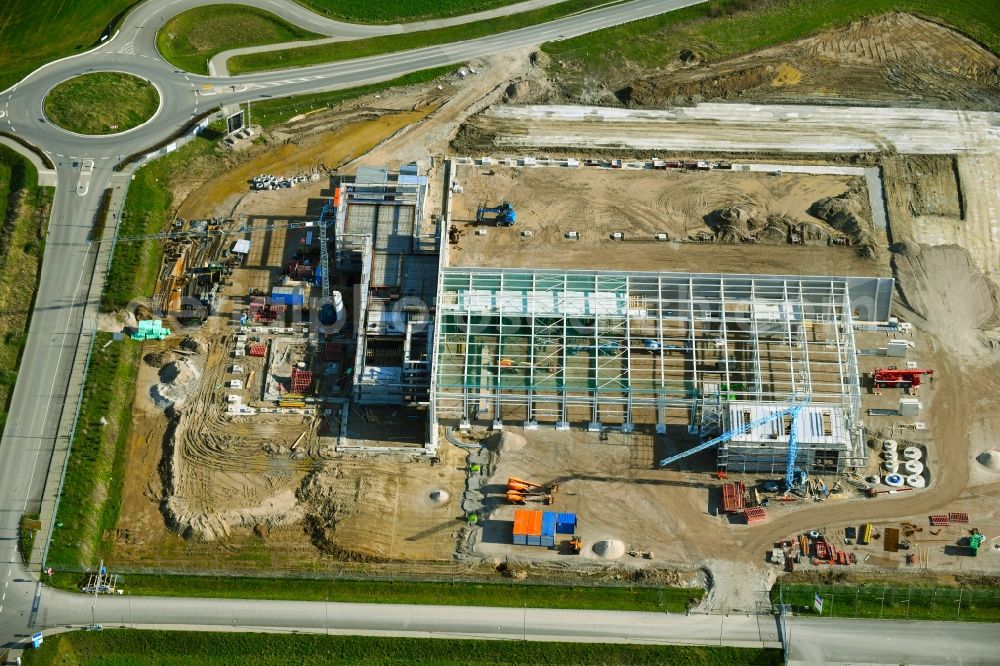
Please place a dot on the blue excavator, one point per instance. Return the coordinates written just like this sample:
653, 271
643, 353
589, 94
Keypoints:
504, 215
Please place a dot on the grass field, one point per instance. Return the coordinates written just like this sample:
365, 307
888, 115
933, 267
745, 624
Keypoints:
397, 11
723, 28
897, 602
190, 39
101, 103
138, 648
91, 499
24, 212
671, 600
311, 55
34, 32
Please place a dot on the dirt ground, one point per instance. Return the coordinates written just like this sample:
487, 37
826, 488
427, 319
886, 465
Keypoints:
552, 201
334, 510
895, 59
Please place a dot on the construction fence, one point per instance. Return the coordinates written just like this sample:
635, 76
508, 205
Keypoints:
891, 602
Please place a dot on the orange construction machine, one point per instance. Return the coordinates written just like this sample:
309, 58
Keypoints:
527, 487
515, 497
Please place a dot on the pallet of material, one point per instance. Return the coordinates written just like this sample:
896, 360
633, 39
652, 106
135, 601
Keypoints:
940, 520
734, 497
754, 514
959, 518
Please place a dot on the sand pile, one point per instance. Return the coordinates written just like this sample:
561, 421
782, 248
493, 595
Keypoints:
944, 287
610, 549
990, 459
849, 213
158, 359
178, 380
439, 496
194, 344
505, 441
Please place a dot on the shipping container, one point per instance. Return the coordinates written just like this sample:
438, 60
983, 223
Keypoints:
520, 540
520, 521
534, 540
549, 524
566, 523
535, 524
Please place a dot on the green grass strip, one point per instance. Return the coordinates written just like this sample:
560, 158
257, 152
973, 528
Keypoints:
312, 55
726, 28
399, 11
101, 103
91, 495
515, 595
895, 602
192, 38
127, 647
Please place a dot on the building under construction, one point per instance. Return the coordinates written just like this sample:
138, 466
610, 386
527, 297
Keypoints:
379, 237
684, 355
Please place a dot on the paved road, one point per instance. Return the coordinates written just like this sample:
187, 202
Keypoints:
813, 640
39, 402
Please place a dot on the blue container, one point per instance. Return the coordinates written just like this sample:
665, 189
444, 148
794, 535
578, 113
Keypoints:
520, 540
566, 523
534, 540
548, 541
549, 524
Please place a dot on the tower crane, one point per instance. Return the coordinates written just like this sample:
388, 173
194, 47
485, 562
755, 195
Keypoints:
791, 473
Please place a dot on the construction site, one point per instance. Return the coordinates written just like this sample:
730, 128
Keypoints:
547, 347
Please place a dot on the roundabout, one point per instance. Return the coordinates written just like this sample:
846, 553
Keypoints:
99, 103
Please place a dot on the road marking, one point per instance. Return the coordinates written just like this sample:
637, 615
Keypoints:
3, 114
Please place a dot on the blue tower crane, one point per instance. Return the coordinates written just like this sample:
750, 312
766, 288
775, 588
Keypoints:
793, 477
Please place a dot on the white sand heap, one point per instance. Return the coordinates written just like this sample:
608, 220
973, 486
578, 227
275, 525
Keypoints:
439, 496
990, 459
178, 381
610, 549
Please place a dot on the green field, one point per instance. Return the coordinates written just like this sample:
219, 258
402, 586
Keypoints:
670, 600
393, 11
190, 39
101, 103
91, 499
897, 602
24, 211
127, 647
311, 55
723, 29
34, 32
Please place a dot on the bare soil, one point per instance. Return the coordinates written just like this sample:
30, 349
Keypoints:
895, 59
552, 201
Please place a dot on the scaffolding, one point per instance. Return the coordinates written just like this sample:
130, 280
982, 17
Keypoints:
626, 349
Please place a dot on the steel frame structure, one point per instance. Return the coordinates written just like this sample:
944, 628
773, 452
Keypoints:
620, 349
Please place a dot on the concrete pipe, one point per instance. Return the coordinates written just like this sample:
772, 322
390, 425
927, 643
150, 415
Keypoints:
916, 481
893, 480
890, 455
891, 466
912, 453
914, 467
890, 445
